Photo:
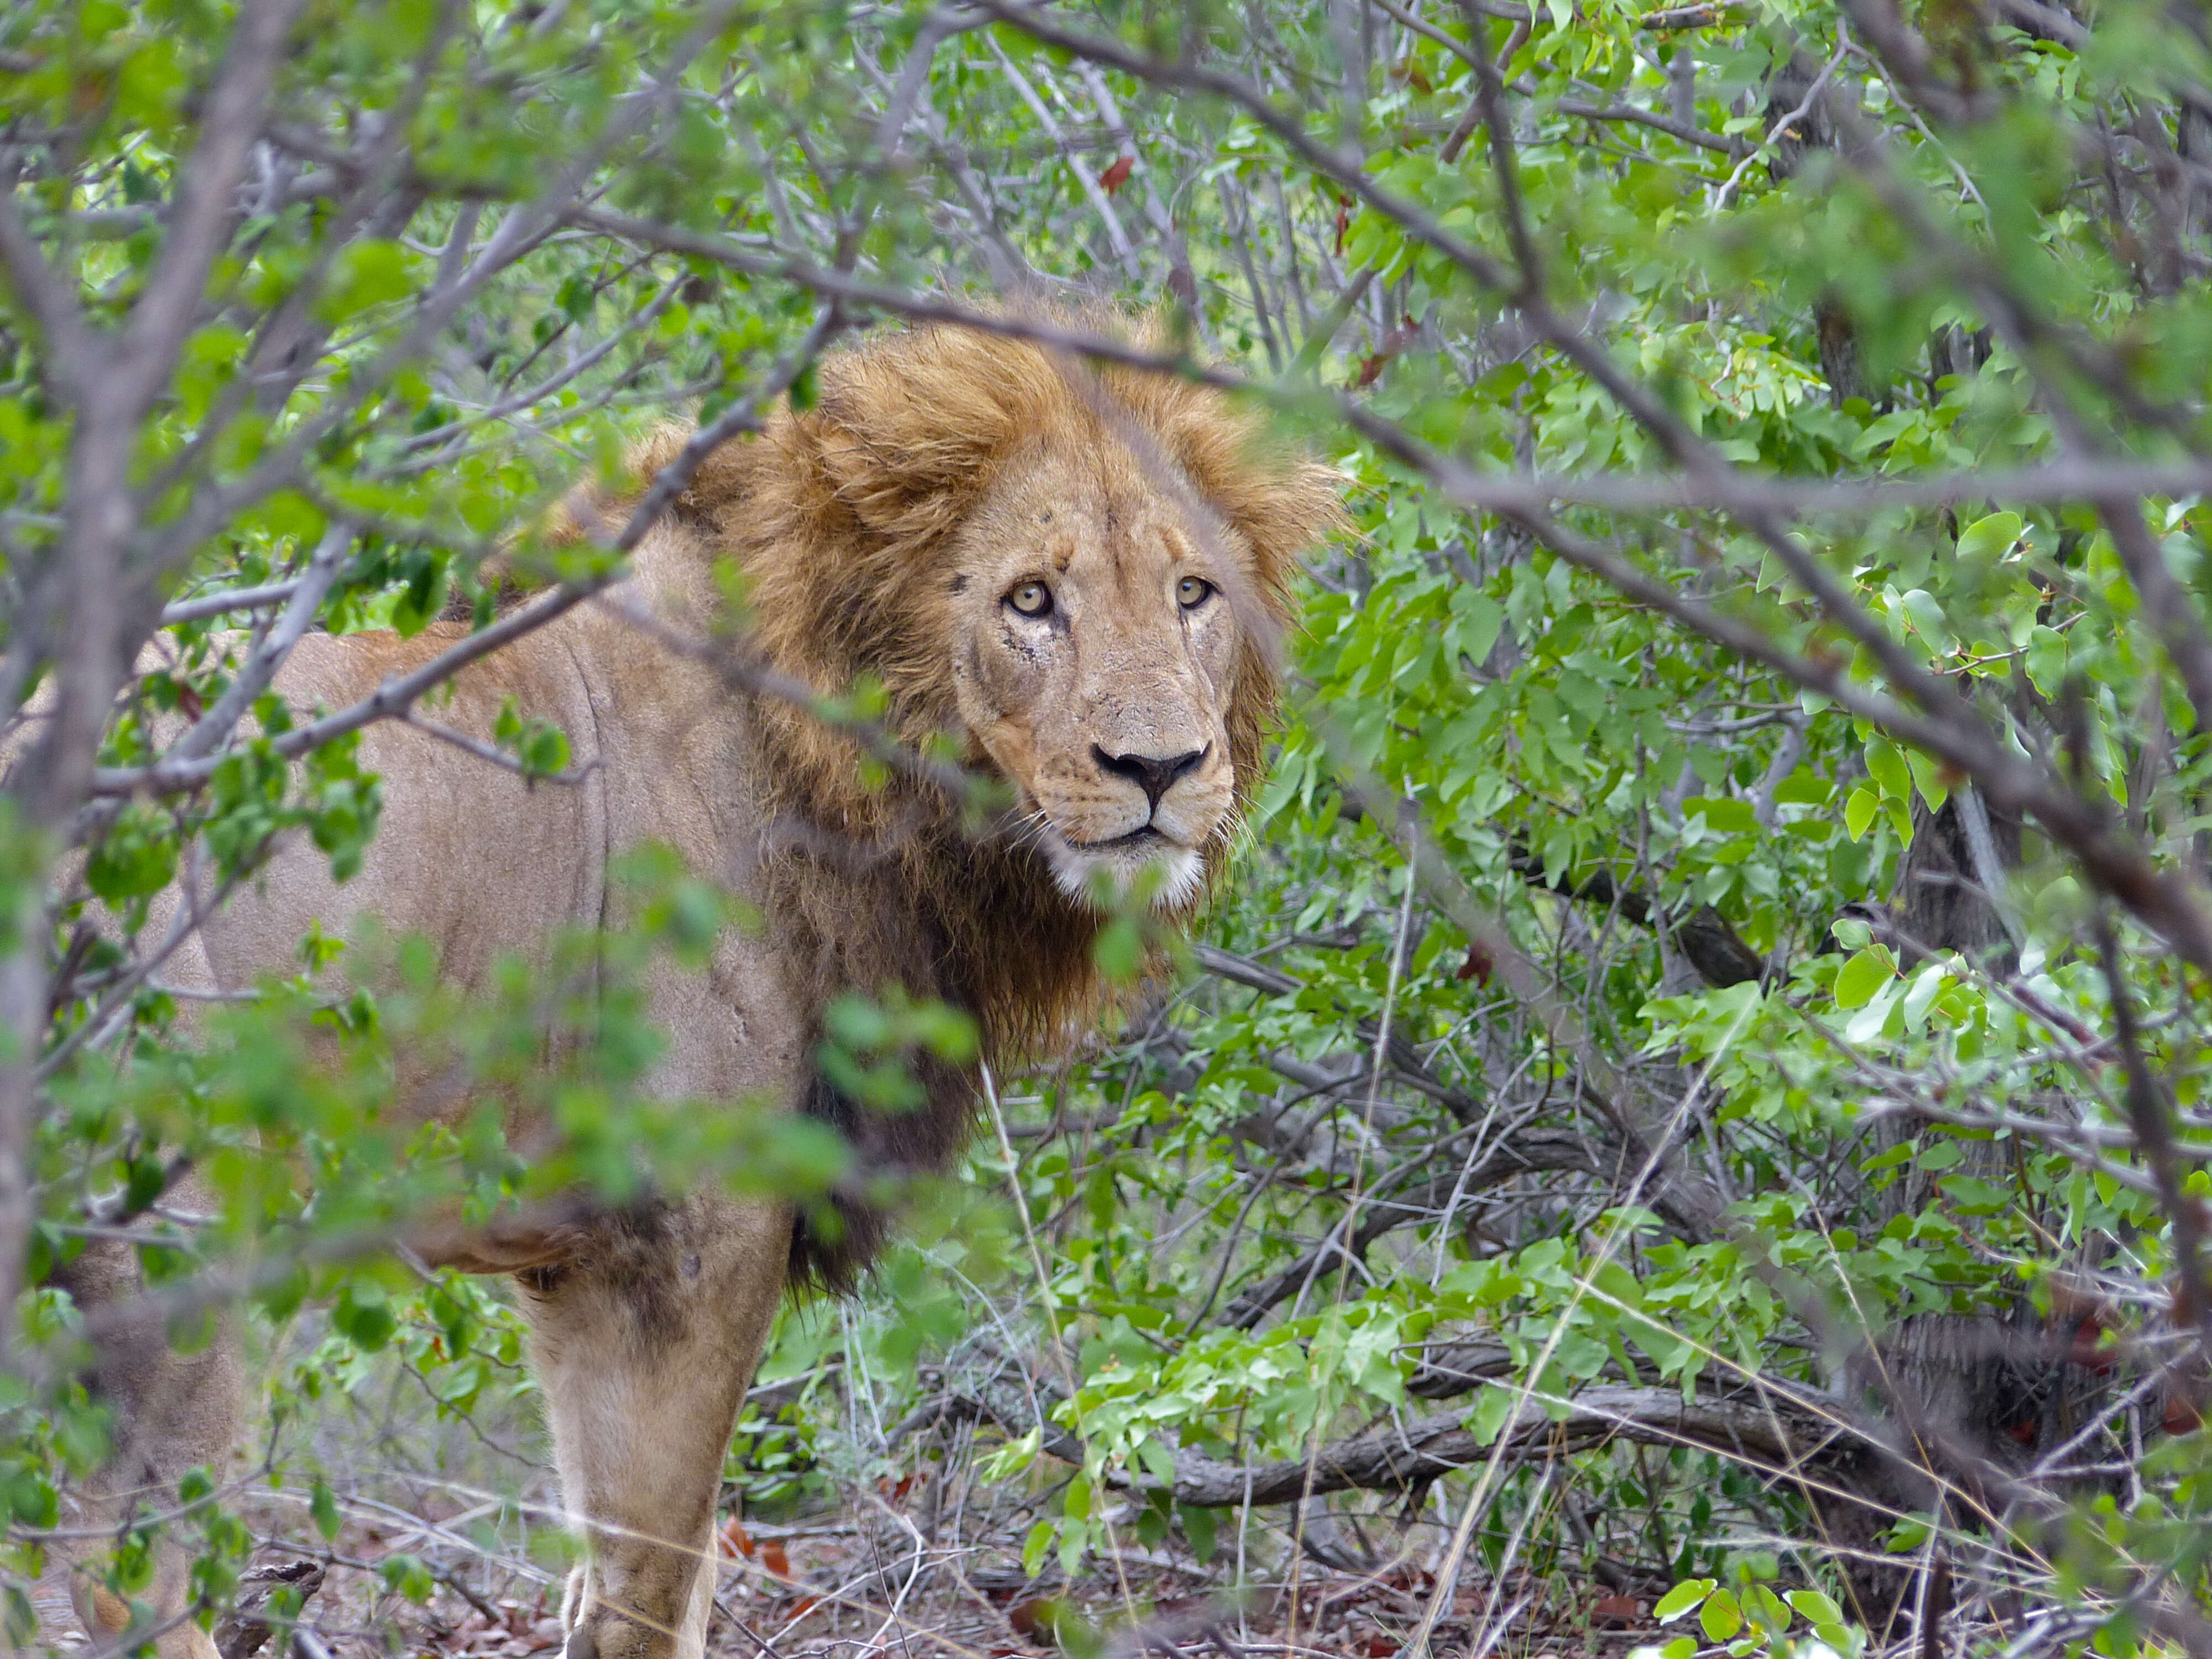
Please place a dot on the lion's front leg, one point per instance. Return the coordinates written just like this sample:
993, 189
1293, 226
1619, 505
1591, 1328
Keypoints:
173, 1412
645, 1342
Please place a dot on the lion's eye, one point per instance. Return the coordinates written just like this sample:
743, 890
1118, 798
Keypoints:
1192, 592
1031, 598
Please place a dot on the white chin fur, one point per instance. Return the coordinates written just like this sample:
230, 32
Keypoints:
1181, 870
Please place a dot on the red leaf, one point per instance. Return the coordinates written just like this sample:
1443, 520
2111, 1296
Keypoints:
1033, 1618
1385, 349
2182, 1416
1118, 175
1478, 967
1343, 221
1616, 1610
2023, 1432
2086, 1349
734, 1541
773, 1557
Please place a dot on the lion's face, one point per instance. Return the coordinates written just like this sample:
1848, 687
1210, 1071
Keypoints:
1098, 623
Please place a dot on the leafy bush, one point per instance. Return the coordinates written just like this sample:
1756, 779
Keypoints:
1697, 1081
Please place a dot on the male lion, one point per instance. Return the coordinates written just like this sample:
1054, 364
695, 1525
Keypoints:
1082, 576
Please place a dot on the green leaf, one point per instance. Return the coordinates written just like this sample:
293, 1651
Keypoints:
1492, 1411
1927, 985
1971, 1195
363, 1315
367, 273
1768, 1609
136, 859
1199, 1526
805, 390
1037, 1547
1859, 811
1720, 1618
1683, 1597
1990, 537
1940, 1157
1815, 1607
1867, 972
1476, 622
406, 1574
1873, 1020
1886, 767
1119, 950
1010, 1459
1158, 1459
1926, 613
322, 1507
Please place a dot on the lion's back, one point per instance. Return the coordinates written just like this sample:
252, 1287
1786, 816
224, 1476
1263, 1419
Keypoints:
467, 854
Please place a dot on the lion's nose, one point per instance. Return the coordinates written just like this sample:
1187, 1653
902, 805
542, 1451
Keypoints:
1154, 774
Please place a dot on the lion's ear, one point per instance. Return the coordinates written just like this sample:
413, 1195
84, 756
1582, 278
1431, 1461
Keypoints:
1281, 503
907, 431
1284, 511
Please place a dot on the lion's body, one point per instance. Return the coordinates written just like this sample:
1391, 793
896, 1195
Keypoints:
877, 535
481, 864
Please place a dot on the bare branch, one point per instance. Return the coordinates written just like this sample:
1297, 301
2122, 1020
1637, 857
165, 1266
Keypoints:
1770, 1430
1583, 109
213, 729
199, 220
1099, 201
225, 601
1528, 1152
492, 753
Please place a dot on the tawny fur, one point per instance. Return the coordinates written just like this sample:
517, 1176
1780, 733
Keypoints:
877, 535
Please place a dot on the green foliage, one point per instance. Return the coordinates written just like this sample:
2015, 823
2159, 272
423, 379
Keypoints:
1751, 1619
1513, 807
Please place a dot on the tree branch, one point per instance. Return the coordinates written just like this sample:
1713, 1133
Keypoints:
1769, 1430
45, 294
1528, 1152
396, 696
1706, 937
1401, 1054
199, 217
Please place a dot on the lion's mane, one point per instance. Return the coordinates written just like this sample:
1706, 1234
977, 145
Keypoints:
841, 517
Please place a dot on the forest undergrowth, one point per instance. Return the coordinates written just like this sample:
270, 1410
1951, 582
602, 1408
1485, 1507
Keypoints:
1685, 1129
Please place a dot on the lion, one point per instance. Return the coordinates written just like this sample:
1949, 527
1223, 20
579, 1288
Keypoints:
1080, 575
